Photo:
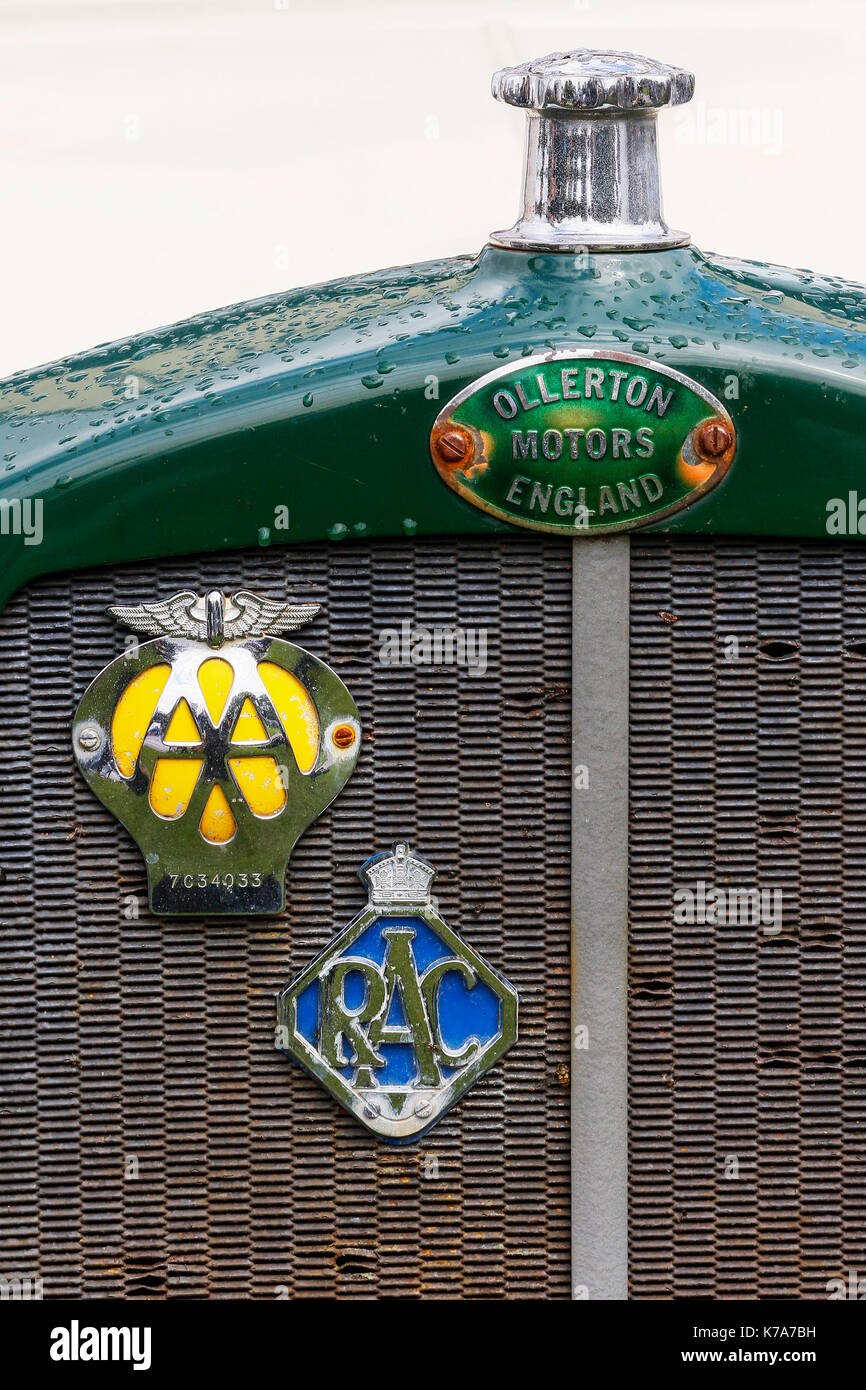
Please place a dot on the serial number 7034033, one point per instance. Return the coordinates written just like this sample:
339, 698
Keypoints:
228, 881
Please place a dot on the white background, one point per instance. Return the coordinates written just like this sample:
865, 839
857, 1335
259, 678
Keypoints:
160, 157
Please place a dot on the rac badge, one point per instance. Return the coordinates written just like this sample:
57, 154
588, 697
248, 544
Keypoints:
583, 443
216, 745
397, 1017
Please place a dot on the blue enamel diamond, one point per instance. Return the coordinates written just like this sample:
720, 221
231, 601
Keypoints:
398, 1016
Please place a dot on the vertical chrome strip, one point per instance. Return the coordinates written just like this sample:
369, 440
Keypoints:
600, 651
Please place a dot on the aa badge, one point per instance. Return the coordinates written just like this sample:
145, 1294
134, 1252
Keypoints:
216, 745
398, 1016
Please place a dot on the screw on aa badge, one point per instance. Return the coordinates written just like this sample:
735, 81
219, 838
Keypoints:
216, 745
398, 1016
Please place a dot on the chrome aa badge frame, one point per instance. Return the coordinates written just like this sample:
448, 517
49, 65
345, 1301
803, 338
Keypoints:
216, 745
398, 1016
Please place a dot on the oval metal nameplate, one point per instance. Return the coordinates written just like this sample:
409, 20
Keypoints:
583, 442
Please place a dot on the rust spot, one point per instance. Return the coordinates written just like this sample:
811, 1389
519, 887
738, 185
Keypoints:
357, 1259
651, 989
343, 736
457, 449
453, 445
714, 439
668, 617
529, 702
779, 648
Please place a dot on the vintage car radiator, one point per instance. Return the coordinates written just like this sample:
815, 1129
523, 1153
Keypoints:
592, 1025
747, 1046
137, 1047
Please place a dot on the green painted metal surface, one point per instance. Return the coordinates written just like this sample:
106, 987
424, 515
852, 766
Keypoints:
307, 414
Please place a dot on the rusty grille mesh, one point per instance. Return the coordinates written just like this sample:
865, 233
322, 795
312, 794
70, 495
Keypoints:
152, 1141
748, 1048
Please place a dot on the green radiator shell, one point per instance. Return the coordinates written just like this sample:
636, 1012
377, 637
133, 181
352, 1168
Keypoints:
307, 415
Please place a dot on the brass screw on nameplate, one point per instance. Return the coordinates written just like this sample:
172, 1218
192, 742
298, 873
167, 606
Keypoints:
454, 446
713, 439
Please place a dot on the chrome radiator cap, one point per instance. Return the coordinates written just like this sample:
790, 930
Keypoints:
591, 171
